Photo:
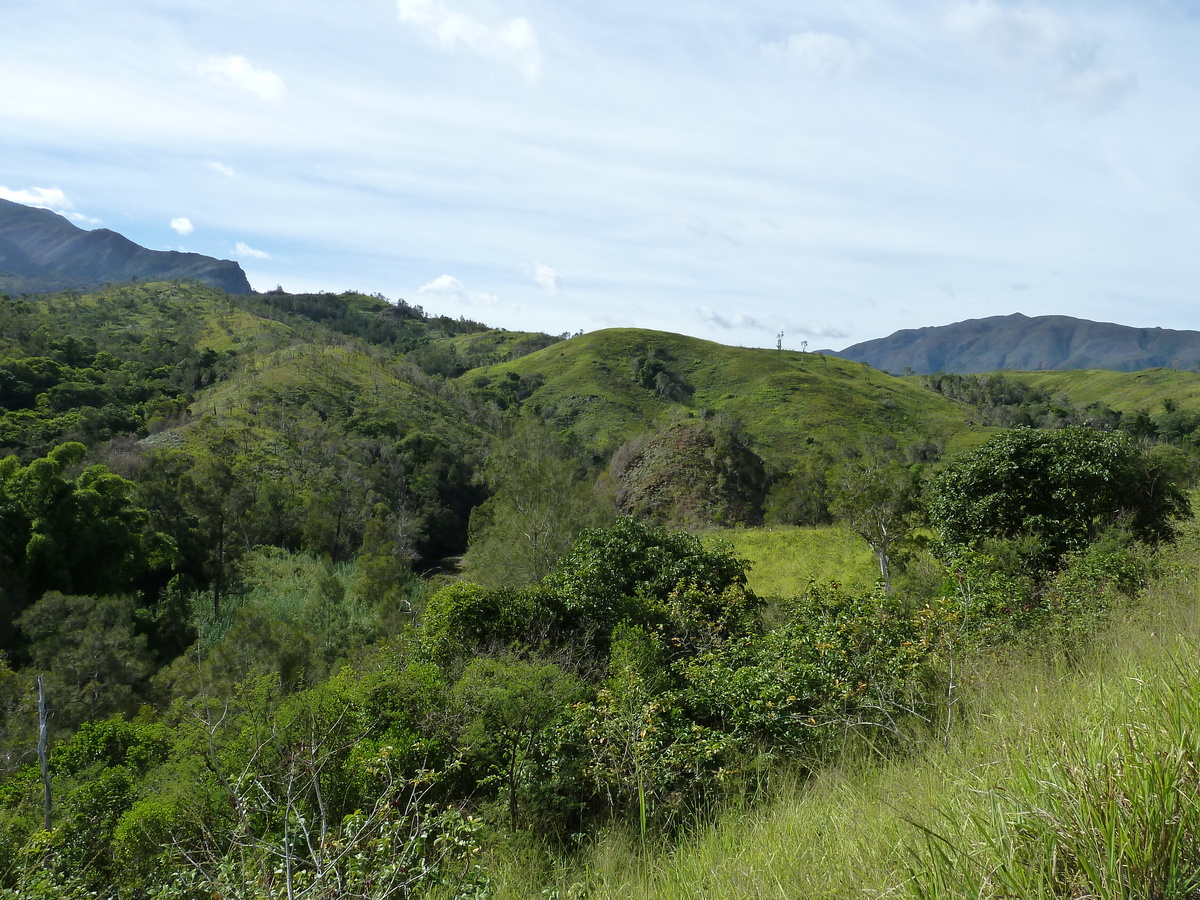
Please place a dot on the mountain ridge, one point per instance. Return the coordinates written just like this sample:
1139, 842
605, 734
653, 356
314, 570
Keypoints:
1028, 343
41, 252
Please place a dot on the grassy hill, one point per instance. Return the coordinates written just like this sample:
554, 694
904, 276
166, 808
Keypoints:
607, 386
1123, 391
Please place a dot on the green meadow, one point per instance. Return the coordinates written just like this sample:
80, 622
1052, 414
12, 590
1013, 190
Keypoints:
785, 560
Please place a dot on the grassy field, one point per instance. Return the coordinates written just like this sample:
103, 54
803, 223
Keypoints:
1123, 391
1060, 782
785, 560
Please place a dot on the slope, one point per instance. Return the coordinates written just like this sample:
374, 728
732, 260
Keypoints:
608, 386
1123, 391
41, 251
1022, 343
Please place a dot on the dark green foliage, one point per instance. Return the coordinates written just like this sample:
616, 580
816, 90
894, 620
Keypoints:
629, 572
71, 532
802, 495
657, 371
1062, 487
97, 662
691, 474
1000, 400
510, 707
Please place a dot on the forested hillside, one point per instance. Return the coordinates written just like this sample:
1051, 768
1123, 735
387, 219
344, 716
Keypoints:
330, 596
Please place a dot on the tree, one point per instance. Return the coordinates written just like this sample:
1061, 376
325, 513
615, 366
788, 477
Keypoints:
541, 502
511, 702
1063, 488
82, 533
95, 658
630, 571
874, 495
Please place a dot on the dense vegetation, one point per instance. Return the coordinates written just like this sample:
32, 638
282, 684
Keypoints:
330, 597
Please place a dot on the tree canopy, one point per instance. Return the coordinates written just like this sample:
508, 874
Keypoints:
1062, 487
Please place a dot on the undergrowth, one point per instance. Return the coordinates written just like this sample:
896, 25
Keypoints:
1067, 779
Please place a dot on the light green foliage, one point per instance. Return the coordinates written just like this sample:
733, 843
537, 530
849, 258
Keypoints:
844, 662
875, 495
1091, 588
1125, 392
383, 578
541, 500
463, 619
294, 617
97, 776
645, 755
1097, 809
1063, 487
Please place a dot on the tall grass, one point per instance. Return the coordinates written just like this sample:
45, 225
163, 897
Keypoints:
1077, 780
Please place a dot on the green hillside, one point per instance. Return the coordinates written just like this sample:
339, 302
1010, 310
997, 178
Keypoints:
608, 386
1123, 391
331, 596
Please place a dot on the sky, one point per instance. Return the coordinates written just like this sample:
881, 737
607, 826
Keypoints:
831, 171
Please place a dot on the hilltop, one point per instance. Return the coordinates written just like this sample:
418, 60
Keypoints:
1022, 343
608, 386
42, 251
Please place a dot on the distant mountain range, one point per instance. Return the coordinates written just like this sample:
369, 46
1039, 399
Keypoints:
1022, 343
40, 251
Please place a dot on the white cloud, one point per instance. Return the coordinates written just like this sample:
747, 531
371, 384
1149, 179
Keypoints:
512, 44
183, 226
53, 199
237, 72
1056, 46
44, 198
447, 287
700, 227
1029, 31
547, 277
820, 54
244, 249
223, 169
